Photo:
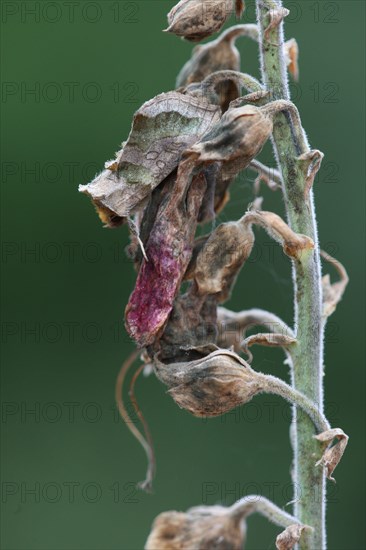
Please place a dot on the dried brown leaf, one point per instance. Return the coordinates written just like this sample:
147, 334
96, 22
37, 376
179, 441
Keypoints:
161, 130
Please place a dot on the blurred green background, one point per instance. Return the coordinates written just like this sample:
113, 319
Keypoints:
73, 73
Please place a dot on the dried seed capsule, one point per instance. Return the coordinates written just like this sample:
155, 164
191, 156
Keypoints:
161, 130
212, 385
235, 140
200, 528
197, 19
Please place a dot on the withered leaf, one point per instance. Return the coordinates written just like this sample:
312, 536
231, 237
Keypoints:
332, 455
168, 250
195, 20
161, 130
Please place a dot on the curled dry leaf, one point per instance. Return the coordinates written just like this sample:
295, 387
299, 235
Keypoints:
168, 250
200, 528
332, 455
333, 293
212, 385
289, 537
195, 20
161, 130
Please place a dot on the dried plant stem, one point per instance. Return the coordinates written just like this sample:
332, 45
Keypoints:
308, 352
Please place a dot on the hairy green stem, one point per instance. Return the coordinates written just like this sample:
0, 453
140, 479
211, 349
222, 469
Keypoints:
307, 354
252, 504
272, 384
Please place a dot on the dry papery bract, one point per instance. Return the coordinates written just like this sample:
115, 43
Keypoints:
161, 130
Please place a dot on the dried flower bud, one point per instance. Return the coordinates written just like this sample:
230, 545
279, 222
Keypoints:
199, 528
161, 130
195, 20
217, 55
211, 385
221, 258
235, 140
